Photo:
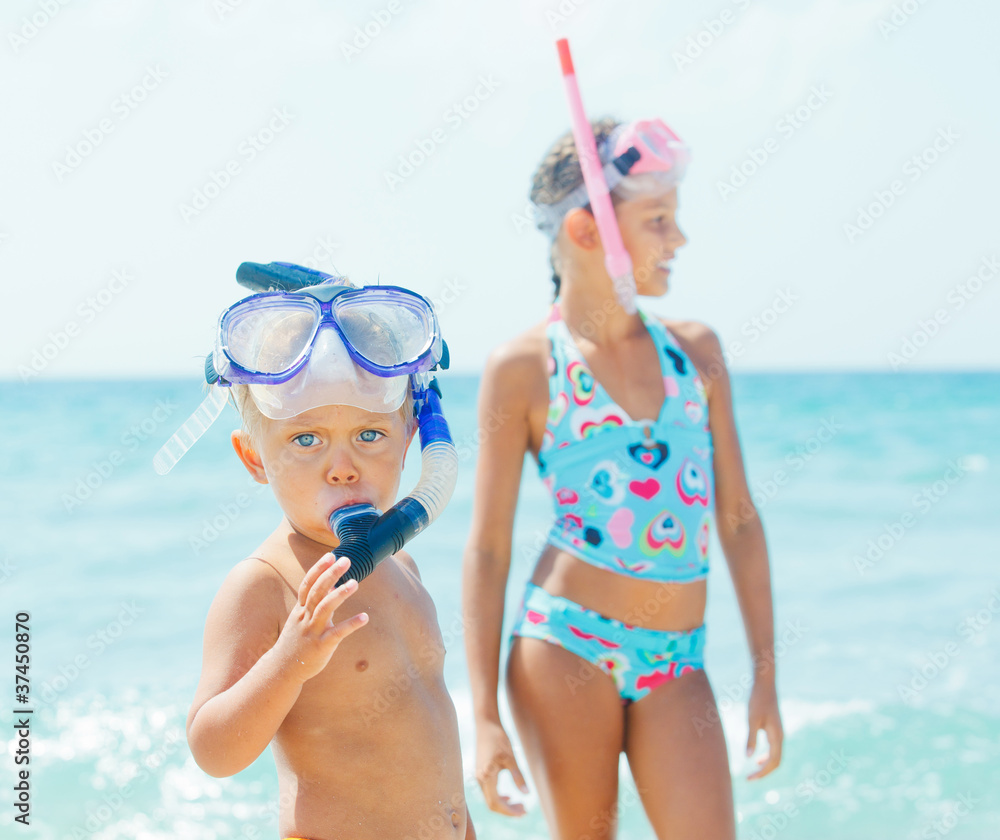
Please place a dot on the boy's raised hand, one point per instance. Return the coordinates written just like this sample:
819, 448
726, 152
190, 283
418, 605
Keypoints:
310, 636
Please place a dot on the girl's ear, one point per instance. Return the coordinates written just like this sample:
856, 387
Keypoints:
248, 455
581, 228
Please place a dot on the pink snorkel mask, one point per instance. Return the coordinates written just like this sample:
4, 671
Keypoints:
638, 158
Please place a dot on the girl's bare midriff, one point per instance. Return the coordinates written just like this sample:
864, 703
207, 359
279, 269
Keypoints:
644, 603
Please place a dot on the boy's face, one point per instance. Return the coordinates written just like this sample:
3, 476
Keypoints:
326, 458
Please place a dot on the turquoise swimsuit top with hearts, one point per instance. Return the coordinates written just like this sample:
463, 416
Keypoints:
634, 497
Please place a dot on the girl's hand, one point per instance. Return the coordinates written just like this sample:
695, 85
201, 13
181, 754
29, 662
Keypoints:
763, 714
493, 754
310, 636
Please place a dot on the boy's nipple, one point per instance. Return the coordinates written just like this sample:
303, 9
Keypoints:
361, 665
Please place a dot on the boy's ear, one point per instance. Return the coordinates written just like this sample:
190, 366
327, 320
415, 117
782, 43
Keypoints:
248, 455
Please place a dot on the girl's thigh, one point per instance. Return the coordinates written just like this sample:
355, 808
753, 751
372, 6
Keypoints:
570, 720
677, 753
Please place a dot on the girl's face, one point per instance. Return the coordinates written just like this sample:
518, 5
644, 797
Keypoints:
651, 236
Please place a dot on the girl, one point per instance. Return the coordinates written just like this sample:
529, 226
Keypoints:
630, 420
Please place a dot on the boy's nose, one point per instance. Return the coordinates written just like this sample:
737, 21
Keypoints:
342, 471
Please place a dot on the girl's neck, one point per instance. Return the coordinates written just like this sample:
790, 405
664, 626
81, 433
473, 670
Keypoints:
595, 314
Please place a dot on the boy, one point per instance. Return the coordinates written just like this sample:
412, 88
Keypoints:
290, 657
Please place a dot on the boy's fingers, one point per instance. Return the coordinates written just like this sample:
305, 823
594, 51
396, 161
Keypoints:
324, 610
342, 629
317, 569
325, 582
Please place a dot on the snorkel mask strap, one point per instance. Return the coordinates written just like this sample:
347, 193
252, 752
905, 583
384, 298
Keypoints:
548, 217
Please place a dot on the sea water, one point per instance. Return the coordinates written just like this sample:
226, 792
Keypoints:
880, 496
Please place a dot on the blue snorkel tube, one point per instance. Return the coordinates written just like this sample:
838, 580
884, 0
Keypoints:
367, 536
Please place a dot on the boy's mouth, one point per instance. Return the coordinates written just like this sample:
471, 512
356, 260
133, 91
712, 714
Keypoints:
347, 502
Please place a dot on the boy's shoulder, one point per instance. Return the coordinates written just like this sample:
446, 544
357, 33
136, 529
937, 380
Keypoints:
406, 562
259, 585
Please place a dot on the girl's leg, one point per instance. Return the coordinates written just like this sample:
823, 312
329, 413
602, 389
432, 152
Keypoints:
677, 753
570, 720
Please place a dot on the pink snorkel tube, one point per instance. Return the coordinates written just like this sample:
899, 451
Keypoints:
616, 258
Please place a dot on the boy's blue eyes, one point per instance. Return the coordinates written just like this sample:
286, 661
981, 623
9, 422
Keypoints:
367, 436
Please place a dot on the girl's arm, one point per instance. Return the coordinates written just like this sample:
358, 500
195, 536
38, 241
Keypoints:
505, 433
741, 535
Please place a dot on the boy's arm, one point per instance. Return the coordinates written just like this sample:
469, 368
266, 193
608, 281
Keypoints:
252, 674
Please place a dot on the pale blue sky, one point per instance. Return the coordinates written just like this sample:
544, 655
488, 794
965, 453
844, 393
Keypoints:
330, 122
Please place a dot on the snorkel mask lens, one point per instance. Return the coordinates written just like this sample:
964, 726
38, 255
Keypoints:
385, 329
267, 335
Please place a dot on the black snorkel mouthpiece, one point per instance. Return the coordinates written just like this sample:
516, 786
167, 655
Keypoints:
367, 538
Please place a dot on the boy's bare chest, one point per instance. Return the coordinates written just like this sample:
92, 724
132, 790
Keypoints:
400, 651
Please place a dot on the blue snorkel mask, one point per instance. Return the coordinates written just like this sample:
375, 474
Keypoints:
307, 340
